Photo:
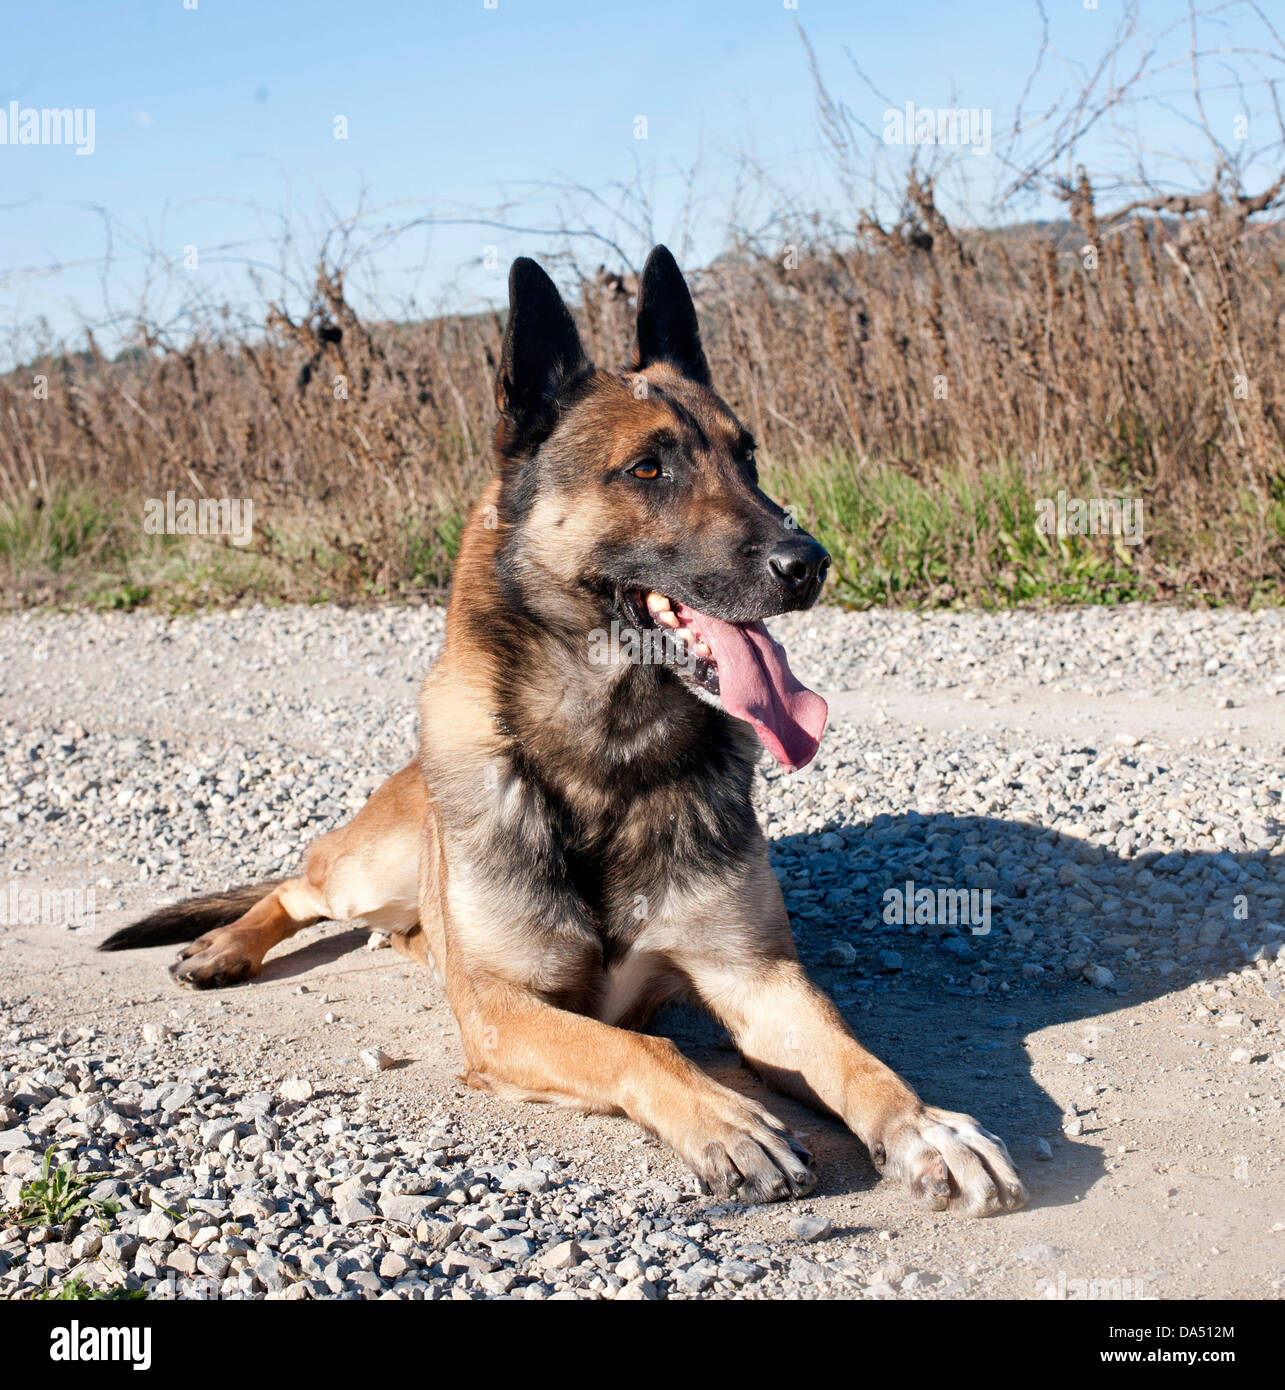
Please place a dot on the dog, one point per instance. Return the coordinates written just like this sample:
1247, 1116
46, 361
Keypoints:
576, 842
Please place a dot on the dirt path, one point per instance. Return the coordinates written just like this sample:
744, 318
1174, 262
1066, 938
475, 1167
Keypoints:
1147, 1122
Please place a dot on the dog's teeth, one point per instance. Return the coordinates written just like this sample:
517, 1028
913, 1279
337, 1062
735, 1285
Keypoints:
666, 618
684, 634
702, 649
658, 603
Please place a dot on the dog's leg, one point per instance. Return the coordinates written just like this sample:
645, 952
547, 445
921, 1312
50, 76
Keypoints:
792, 1034
522, 958
522, 1048
739, 956
228, 955
413, 944
367, 868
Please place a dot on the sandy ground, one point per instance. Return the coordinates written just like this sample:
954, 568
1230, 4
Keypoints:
1172, 1186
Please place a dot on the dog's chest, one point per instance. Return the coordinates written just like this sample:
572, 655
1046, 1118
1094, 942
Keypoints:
637, 981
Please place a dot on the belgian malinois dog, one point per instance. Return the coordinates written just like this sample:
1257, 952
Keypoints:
576, 842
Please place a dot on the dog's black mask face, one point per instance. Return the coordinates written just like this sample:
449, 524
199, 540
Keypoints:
633, 497
646, 477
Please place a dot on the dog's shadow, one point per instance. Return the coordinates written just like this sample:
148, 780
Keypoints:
1157, 922
316, 951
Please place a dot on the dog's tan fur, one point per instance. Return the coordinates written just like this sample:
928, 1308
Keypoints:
574, 843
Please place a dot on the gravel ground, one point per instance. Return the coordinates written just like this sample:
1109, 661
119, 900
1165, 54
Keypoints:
1111, 779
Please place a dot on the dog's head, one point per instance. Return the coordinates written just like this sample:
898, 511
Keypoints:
632, 498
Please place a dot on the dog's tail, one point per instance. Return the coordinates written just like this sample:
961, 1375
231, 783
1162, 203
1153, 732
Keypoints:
186, 921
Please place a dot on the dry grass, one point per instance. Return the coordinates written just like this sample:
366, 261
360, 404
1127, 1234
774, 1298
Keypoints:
914, 392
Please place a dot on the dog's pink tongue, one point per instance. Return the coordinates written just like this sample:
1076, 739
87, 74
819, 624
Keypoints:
757, 685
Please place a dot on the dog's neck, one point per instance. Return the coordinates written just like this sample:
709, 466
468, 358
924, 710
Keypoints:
571, 687
567, 712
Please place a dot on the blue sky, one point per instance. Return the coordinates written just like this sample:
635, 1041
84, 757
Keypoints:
214, 127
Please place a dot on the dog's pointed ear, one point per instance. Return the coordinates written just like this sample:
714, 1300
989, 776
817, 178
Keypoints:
541, 359
667, 326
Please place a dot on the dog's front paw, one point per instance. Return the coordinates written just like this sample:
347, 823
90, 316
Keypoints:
737, 1149
214, 960
949, 1162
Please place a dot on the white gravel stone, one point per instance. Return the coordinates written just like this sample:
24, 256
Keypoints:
1111, 859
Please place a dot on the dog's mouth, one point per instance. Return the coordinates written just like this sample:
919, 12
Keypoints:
740, 666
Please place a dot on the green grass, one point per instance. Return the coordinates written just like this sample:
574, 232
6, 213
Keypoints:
76, 550
77, 1290
50, 534
969, 537
57, 1196
898, 536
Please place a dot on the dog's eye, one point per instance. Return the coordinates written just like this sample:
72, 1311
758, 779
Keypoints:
646, 470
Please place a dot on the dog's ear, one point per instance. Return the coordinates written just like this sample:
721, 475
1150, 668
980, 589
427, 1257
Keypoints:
667, 326
541, 359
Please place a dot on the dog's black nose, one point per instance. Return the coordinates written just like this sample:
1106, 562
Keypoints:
799, 563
